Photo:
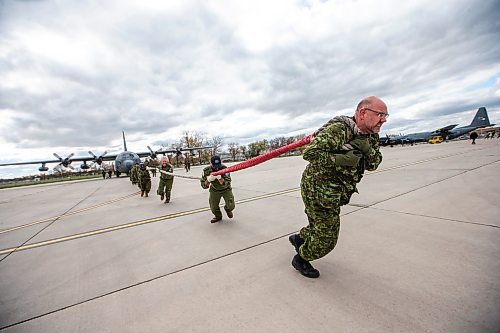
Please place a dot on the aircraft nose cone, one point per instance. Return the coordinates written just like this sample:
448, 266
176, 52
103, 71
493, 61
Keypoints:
128, 164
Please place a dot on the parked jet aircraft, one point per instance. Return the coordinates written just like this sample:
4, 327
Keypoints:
447, 133
123, 161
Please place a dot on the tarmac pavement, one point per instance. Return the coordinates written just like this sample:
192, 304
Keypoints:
419, 251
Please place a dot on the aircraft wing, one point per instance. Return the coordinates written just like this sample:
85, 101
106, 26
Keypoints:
146, 154
68, 160
448, 128
445, 129
196, 148
30, 162
180, 150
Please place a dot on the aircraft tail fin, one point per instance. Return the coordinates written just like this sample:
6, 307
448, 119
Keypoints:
124, 142
481, 118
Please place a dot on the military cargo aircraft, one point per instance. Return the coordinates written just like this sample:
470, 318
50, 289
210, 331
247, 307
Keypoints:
123, 161
447, 133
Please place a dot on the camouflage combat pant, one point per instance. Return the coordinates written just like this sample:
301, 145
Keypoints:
145, 185
214, 201
165, 186
322, 201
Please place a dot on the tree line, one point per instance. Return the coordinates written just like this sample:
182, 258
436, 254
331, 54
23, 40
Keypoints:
234, 152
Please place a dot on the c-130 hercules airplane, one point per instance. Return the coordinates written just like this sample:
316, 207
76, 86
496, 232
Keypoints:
123, 162
447, 133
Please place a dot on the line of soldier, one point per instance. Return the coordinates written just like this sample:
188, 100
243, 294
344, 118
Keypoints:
219, 186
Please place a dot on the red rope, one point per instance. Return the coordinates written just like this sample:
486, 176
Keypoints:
264, 157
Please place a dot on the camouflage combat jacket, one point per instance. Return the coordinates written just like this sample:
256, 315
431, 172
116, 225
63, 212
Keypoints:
215, 186
331, 139
144, 176
167, 168
135, 171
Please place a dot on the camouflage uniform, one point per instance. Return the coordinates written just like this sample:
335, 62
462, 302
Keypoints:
134, 174
326, 186
144, 181
218, 191
153, 164
166, 181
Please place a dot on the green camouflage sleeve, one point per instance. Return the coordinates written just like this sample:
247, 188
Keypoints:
204, 175
328, 142
373, 160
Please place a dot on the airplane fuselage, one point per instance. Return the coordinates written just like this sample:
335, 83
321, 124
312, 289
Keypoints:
125, 161
455, 133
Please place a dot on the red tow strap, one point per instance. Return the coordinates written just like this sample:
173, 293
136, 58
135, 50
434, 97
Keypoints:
264, 157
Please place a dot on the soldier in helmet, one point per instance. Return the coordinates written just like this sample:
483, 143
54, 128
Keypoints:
144, 180
220, 187
166, 181
338, 155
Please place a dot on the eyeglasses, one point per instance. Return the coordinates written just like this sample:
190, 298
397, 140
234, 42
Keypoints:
381, 115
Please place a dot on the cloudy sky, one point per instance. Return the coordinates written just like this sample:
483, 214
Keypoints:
74, 74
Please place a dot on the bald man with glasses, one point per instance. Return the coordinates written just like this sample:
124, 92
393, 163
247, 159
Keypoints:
340, 152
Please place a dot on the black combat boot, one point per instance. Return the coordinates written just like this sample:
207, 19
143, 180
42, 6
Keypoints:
304, 267
215, 219
296, 241
167, 199
229, 214
162, 197
142, 193
146, 194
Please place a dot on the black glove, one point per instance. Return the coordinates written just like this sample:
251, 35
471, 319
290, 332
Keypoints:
350, 158
362, 143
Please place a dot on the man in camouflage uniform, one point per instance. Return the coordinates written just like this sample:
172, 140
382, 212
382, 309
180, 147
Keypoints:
338, 156
166, 181
153, 164
220, 187
134, 174
144, 180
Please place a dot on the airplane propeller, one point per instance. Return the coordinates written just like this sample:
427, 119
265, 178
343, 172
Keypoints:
98, 160
153, 153
66, 161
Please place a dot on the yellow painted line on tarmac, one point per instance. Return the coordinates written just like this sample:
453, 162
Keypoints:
263, 196
68, 213
133, 224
